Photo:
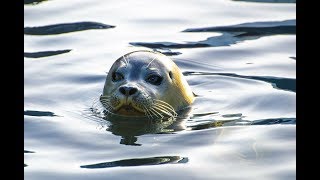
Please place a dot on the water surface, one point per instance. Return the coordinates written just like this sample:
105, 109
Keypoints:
238, 56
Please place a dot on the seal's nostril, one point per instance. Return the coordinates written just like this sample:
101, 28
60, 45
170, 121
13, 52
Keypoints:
122, 90
128, 91
132, 90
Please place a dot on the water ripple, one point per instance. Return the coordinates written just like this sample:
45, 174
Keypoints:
229, 34
38, 113
26, 151
253, 28
139, 162
45, 53
33, 2
65, 28
172, 45
277, 82
274, 121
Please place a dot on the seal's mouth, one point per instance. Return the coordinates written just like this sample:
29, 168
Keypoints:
129, 110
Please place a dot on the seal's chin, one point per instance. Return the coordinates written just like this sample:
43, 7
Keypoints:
128, 110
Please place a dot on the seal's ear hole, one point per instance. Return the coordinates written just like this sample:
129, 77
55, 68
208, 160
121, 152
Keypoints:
170, 74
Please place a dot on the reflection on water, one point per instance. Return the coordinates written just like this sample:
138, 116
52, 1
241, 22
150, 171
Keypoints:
33, 2
139, 162
274, 121
65, 28
258, 29
129, 128
26, 151
230, 34
45, 53
277, 82
163, 45
38, 113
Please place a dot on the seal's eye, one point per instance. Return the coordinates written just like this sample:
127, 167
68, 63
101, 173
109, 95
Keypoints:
116, 76
154, 79
170, 74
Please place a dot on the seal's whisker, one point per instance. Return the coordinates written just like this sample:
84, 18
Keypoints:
126, 61
108, 107
105, 100
107, 110
160, 101
147, 112
167, 108
153, 112
95, 103
105, 103
161, 116
105, 97
151, 61
163, 111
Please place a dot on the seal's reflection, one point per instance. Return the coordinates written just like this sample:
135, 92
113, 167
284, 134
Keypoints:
130, 128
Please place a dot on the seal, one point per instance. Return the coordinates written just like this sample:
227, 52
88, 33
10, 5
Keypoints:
145, 83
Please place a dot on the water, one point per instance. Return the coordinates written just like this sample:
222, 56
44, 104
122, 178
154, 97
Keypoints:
239, 58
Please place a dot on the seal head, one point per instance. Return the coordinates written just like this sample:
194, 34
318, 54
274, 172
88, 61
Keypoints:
145, 83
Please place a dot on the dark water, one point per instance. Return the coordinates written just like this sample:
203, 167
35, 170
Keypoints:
239, 58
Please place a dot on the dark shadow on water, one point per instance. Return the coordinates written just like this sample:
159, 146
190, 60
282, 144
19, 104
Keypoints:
207, 125
168, 53
269, 1
33, 2
130, 128
45, 53
171, 45
246, 31
38, 113
253, 29
139, 162
280, 83
274, 121
213, 120
26, 151
65, 28
229, 34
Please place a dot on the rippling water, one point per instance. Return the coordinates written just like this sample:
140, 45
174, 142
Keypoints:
239, 57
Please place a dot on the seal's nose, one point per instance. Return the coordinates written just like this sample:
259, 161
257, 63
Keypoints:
127, 90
